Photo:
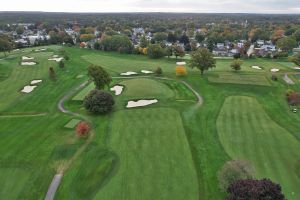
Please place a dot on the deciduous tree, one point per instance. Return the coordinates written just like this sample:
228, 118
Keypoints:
82, 129
98, 102
202, 59
99, 76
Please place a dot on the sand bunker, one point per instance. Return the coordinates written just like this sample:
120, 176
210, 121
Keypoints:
117, 89
256, 67
28, 89
16, 50
28, 63
147, 72
56, 59
128, 73
27, 58
140, 103
33, 82
298, 68
275, 70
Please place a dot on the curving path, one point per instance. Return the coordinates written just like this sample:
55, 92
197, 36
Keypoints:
58, 177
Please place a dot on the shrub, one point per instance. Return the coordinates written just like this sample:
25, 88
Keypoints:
234, 170
274, 78
82, 129
289, 92
236, 64
61, 64
255, 189
181, 71
158, 71
98, 102
237, 56
66, 57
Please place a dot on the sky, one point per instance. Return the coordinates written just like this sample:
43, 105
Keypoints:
186, 6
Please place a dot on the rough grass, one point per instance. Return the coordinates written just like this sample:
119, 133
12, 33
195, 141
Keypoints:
247, 132
236, 78
155, 159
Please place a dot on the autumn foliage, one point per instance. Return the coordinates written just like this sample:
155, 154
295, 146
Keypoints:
82, 129
181, 71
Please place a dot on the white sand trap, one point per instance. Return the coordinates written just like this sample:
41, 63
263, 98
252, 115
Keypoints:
275, 70
298, 68
256, 67
181, 63
147, 72
28, 63
27, 58
56, 59
55, 56
33, 82
28, 89
16, 50
117, 89
128, 73
140, 103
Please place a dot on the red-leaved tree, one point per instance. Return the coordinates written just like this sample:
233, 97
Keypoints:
250, 189
82, 129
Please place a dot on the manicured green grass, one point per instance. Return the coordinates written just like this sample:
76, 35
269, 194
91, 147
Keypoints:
72, 123
145, 88
236, 78
155, 159
247, 132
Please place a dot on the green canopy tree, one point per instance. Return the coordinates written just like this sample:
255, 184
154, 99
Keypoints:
236, 64
5, 44
202, 59
287, 44
99, 76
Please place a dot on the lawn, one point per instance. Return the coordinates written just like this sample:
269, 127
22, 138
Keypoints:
155, 159
247, 132
171, 150
236, 78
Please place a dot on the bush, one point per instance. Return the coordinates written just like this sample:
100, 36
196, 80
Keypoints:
66, 57
236, 64
181, 71
289, 92
274, 78
82, 129
98, 102
237, 56
234, 170
281, 55
158, 71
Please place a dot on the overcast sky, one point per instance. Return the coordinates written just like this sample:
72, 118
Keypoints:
198, 6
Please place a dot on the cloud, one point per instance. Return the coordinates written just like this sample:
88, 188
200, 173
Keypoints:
213, 6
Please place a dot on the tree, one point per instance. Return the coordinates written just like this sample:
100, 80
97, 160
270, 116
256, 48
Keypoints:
236, 64
169, 51
98, 102
5, 44
52, 73
200, 37
20, 30
295, 59
184, 39
202, 59
97, 45
181, 71
250, 189
143, 42
82, 129
171, 37
286, 44
234, 170
61, 64
277, 34
99, 76
160, 37
155, 51
178, 51
297, 35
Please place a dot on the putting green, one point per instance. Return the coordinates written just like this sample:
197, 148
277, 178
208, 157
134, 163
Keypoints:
146, 88
247, 132
155, 158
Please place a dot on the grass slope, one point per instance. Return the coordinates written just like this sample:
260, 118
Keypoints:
247, 132
155, 159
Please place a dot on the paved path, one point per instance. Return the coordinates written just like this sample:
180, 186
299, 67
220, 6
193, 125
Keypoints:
23, 115
53, 187
287, 79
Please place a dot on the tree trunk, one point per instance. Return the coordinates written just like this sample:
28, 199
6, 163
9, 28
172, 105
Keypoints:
202, 72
